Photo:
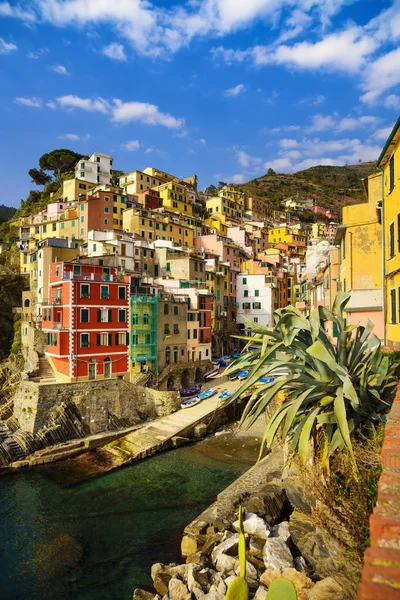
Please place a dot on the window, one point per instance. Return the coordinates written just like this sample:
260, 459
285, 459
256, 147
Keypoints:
176, 328
166, 309
391, 240
246, 305
105, 221
244, 280
94, 247
120, 339
188, 333
104, 315
393, 306
82, 219
391, 174
168, 266
246, 293
104, 339
85, 290
57, 271
398, 232
104, 292
106, 209
121, 315
166, 329
176, 311
344, 245
195, 334
255, 319
135, 319
84, 315
257, 305
82, 165
54, 227
85, 340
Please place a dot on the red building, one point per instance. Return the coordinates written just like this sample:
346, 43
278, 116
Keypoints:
87, 322
150, 199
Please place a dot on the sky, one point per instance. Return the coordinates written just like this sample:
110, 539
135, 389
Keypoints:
224, 89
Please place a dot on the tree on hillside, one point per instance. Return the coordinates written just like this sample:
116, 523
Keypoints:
59, 161
39, 177
211, 190
271, 172
221, 184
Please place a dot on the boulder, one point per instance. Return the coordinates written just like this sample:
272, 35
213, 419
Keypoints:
214, 596
251, 571
178, 441
179, 570
277, 555
200, 430
301, 582
140, 594
254, 525
229, 580
229, 546
177, 590
210, 543
261, 593
197, 558
256, 547
189, 545
226, 564
269, 576
300, 564
326, 589
281, 530
216, 581
257, 562
198, 593
269, 502
196, 577
296, 496
161, 581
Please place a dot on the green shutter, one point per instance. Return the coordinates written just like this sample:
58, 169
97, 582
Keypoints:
110, 339
98, 339
116, 339
127, 339
109, 315
99, 316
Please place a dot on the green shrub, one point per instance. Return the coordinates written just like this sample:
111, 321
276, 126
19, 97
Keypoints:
16, 347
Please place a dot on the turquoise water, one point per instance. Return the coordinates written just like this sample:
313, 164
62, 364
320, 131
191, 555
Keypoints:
98, 540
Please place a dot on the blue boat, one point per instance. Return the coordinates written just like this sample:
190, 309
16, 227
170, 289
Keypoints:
190, 392
190, 402
237, 355
207, 394
225, 394
263, 380
243, 374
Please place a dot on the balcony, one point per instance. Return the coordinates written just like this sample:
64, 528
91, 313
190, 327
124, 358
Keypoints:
58, 325
56, 301
25, 236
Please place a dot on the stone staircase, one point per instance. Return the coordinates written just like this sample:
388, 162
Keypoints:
46, 373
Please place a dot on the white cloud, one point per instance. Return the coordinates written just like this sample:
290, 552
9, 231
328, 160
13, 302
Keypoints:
235, 91
203, 141
281, 128
114, 51
382, 134
322, 123
392, 101
131, 146
386, 26
381, 75
32, 102
246, 160
237, 178
122, 112
51, 104
37, 53
7, 47
73, 137
315, 100
61, 70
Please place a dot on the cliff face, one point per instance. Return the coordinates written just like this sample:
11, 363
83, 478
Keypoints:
11, 287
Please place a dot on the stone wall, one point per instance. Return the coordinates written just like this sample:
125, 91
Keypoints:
96, 400
381, 573
181, 376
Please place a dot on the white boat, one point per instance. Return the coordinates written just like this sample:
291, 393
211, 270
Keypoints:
242, 375
190, 402
212, 373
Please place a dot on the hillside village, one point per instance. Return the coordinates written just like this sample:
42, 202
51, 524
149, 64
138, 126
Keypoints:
143, 277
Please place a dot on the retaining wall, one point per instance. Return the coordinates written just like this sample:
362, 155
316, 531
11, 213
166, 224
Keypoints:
381, 573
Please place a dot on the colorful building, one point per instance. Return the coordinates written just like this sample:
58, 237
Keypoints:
389, 166
144, 334
97, 169
86, 322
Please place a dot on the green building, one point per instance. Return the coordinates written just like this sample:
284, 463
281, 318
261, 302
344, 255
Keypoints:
143, 338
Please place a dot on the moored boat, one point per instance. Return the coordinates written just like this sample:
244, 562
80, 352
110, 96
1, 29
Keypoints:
264, 380
207, 393
190, 391
224, 395
242, 375
213, 373
190, 402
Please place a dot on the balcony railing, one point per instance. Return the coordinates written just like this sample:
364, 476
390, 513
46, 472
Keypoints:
26, 236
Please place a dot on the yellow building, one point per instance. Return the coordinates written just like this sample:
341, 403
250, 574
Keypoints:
286, 235
360, 264
389, 166
218, 205
136, 181
219, 223
318, 230
232, 193
75, 189
174, 197
153, 226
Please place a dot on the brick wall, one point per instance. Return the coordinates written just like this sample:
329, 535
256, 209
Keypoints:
381, 573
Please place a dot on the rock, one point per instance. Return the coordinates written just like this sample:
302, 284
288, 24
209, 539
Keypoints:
301, 582
256, 547
140, 594
189, 545
210, 543
296, 496
179, 570
226, 564
220, 589
261, 593
269, 576
254, 525
300, 564
196, 578
229, 580
229, 546
214, 596
197, 558
251, 571
177, 590
200, 430
217, 581
227, 534
178, 441
281, 530
326, 589
277, 555
269, 502
257, 562
198, 593
161, 581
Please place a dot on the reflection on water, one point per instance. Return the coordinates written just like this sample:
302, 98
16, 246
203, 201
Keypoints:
98, 540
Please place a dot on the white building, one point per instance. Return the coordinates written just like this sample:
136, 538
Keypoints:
96, 170
257, 296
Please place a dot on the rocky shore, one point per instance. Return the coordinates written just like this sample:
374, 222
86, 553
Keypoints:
282, 539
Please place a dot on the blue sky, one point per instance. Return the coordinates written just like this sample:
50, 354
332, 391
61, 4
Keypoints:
221, 88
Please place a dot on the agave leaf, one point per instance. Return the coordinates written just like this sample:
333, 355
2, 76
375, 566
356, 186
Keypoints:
342, 298
281, 589
293, 410
341, 417
238, 589
306, 432
327, 418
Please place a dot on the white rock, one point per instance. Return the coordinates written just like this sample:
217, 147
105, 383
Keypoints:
198, 593
229, 580
277, 555
261, 593
229, 546
251, 571
281, 530
300, 564
226, 564
214, 596
256, 547
254, 525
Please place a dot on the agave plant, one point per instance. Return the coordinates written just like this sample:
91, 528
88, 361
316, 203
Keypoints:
332, 390
239, 589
